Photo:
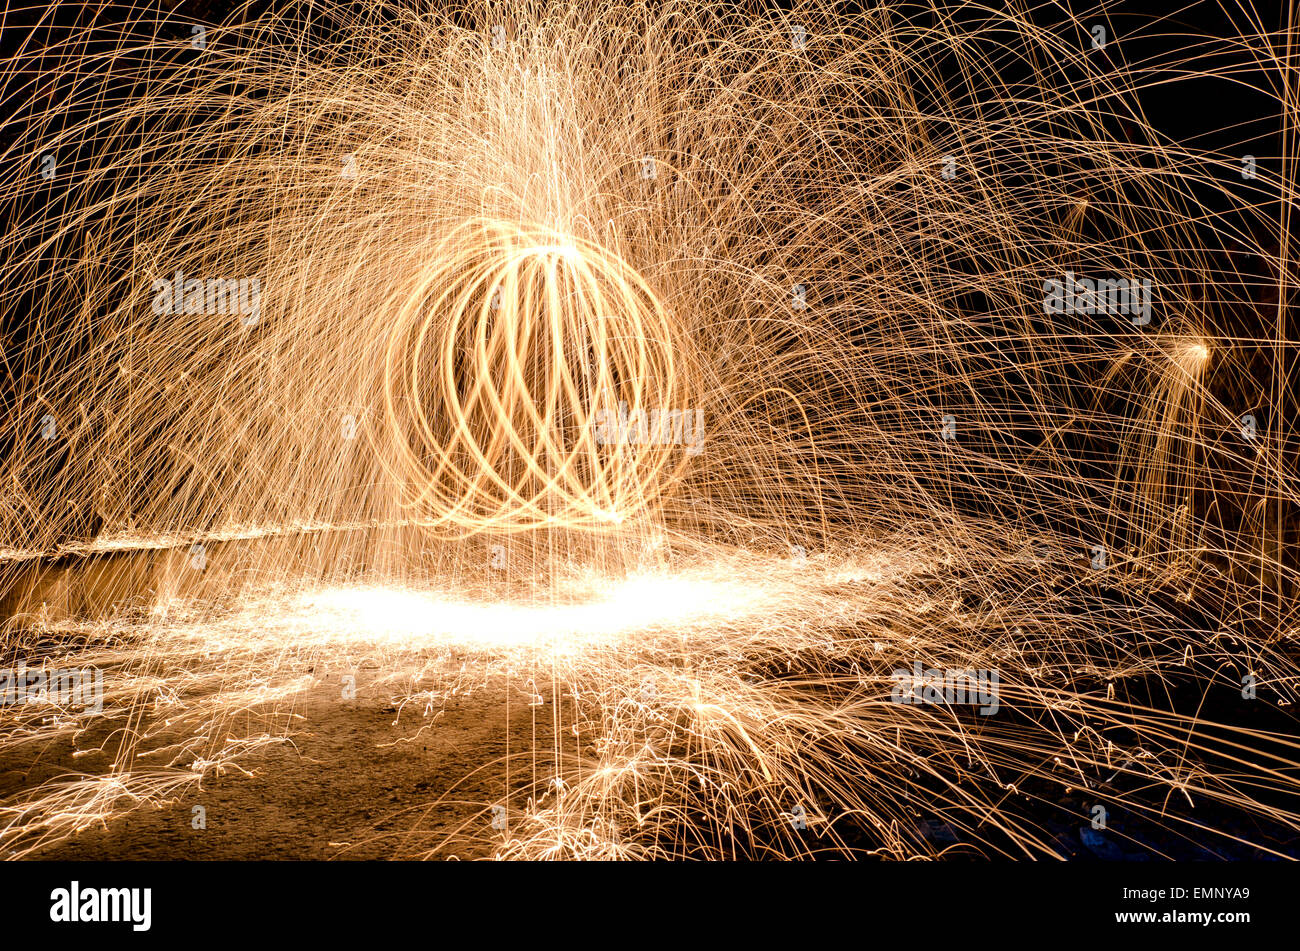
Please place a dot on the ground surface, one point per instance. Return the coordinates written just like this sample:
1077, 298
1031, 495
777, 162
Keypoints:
342, 790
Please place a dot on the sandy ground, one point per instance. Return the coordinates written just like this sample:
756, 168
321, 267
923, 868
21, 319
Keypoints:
353, 785
341, 790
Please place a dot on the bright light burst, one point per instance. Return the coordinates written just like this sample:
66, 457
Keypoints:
421, 618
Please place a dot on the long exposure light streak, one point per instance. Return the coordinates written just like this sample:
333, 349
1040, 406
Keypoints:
686, 377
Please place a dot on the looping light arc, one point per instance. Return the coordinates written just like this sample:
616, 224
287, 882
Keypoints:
500, 368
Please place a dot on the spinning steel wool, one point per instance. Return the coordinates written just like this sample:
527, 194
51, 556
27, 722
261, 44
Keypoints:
704, 381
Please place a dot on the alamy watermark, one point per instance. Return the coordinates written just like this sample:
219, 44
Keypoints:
657, 427
1114, 296
81, 687
948, 687
76, 903
217, 295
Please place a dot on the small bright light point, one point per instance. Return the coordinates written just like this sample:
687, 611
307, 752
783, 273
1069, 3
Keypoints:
1192, 354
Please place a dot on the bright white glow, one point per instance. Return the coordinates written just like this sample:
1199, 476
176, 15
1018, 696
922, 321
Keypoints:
639, 603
